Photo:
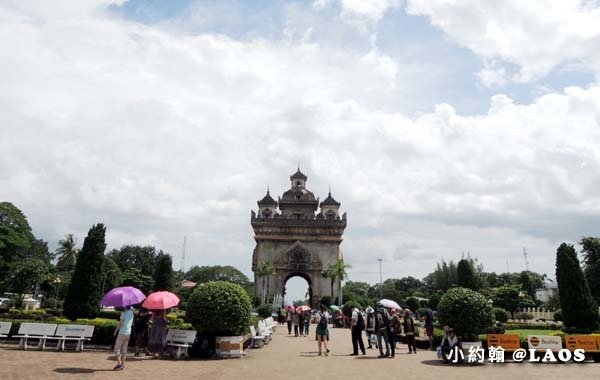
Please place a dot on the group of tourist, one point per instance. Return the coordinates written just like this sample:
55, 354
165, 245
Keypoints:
150, 332
298, 320
382, 326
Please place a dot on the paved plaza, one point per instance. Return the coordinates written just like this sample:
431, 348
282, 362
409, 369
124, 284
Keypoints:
284, 358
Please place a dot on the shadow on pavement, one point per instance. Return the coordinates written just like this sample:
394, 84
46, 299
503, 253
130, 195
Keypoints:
437, 363
80, 370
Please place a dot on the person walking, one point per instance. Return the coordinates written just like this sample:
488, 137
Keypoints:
141, 326
409, 331
394, 329
158, 334
296, 319
290, 320
357, 324
428, 318
322, 331
370, 328
381, 326
122, 334
306, 322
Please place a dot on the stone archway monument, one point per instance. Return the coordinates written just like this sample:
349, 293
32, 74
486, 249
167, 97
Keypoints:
300, 237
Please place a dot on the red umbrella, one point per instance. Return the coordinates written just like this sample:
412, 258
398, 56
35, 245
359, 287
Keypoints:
161, 301
303, 308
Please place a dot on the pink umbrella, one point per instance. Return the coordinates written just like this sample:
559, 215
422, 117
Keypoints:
303, 308
161, 301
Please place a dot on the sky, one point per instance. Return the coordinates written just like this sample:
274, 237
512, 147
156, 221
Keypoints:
444, 128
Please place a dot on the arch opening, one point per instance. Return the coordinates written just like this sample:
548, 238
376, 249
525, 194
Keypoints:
297, 289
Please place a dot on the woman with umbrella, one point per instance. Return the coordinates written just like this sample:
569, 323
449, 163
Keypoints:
123, 297
159, 302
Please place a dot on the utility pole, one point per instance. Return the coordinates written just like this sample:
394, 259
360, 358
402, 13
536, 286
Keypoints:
380, 280
526, 261
183, 255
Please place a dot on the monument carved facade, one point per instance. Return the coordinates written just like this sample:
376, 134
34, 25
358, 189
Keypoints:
299, 237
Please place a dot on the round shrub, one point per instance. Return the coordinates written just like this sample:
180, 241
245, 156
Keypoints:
413, 303
219, 308
467, 311
500, 315
265, 310
558, 315
348, 306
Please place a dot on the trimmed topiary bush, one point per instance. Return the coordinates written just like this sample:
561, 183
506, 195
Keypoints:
219, 308
500, 315
348, 306
467, 311
265, 310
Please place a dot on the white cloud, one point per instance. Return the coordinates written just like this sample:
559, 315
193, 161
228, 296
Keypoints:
538, 36
162, 135
364, 14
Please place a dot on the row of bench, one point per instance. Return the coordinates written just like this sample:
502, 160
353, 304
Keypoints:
178, 340
266, 328
512, 342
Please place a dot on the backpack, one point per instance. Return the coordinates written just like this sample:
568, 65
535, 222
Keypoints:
323, 321
360, 323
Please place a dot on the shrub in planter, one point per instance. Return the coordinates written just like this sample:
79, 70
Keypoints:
265, 310
467, 311
219, 308
558, 315
348, 306
500, 315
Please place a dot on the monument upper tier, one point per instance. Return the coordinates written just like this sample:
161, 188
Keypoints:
298, 207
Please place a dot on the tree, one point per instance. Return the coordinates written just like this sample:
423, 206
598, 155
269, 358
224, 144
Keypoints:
337, 270
111, 275
163, 273
135, 257
134, 277
26, 276
443, 277
591, 259
466, 277
265, 270
217, 273
579, 309
527, 284
15, 236
84, 294
507, 298
67, 253
467, 311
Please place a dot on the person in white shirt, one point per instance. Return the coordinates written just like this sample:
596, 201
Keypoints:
358, 325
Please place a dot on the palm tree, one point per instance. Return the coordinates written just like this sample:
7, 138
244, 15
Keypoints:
338, 270
265, 270
67, 253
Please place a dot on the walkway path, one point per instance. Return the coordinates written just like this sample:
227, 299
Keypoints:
286, 357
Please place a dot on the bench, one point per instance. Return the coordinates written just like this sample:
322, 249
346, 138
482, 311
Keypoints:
258, 341
78, 333
589, 343
40, 331
544, 342
265, 331
508, 342
182, 339
5, 329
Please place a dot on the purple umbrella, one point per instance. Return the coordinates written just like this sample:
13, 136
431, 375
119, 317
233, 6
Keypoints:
123, 296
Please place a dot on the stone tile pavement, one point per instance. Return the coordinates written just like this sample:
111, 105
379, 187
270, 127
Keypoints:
286, 357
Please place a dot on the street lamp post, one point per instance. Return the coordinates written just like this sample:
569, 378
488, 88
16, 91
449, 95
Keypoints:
380, 280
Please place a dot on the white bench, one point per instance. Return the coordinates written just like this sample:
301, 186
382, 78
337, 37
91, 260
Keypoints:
258, 341
272, 323
264, 330
78, 333
182, 339
40, 331
5, 329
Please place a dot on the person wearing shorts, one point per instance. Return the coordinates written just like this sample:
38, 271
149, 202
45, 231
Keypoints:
123, 332
322, 331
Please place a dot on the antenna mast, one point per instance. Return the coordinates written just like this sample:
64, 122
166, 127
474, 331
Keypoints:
526, 261
183, 255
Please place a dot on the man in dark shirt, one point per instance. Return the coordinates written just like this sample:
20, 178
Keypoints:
428, 318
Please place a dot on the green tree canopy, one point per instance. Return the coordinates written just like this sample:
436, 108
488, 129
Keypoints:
579, 309
25, 276
15, 236
67, 253
591, 259
163, 273
466, 276
111, 275
135, 257
216, 273
134, 277
85, 290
